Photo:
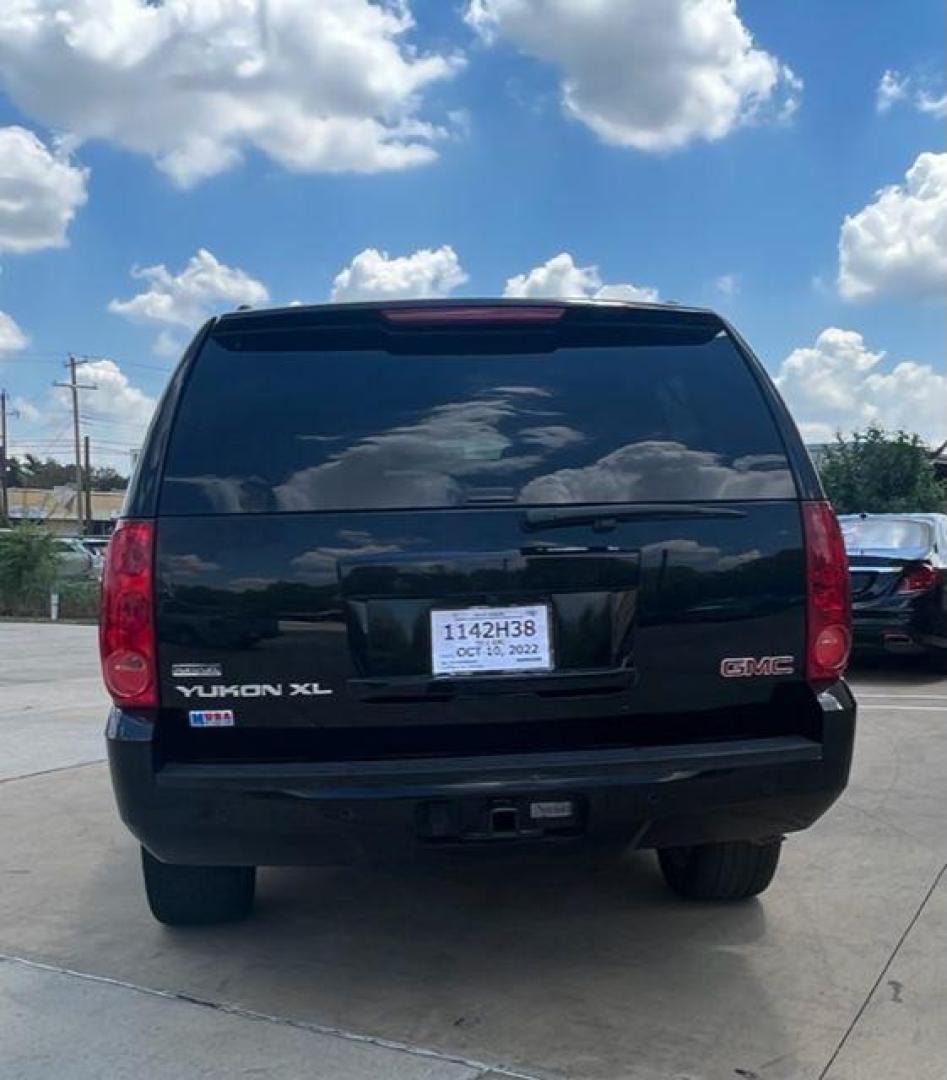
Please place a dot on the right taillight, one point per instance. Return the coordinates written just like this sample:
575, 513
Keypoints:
126, 624
828, 603
918, 578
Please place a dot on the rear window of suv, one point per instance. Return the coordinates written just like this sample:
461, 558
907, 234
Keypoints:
289, 429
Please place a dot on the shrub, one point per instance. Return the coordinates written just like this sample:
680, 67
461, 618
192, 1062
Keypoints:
29, 563
79, 600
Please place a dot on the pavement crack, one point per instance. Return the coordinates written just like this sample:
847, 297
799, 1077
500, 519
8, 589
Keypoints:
938, 877
49, 772
481, 1068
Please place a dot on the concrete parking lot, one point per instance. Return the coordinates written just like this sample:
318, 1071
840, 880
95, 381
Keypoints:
539, 968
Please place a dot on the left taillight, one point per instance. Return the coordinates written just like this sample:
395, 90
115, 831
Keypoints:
126, 624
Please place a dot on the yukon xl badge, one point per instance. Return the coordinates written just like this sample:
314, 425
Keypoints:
748, 667
252, 690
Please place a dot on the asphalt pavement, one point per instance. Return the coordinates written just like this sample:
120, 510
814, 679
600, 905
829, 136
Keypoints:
541, 967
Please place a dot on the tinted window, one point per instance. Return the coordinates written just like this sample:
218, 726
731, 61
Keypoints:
322, 430
887, 533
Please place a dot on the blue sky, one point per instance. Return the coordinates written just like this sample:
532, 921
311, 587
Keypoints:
723, 179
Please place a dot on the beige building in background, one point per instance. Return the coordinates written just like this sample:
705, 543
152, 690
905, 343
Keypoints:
56, 508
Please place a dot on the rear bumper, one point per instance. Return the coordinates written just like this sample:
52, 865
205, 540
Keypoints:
318, 814
895, 629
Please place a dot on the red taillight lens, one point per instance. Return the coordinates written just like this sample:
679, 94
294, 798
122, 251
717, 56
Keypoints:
918, 578
828, 608
126, 625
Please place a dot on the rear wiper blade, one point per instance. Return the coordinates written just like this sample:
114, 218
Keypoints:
603, 518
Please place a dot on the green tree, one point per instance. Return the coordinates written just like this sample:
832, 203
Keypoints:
31, 471
105, 478
879, 472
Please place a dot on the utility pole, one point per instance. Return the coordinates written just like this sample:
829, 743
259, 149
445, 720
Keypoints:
74, 387
4, 501
87, 469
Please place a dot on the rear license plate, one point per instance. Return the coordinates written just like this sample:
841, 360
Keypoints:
468, 641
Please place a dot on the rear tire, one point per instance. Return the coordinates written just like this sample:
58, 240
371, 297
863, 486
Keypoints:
734, 870
197, 895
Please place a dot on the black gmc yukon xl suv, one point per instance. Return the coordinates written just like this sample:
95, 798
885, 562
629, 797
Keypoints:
409, 576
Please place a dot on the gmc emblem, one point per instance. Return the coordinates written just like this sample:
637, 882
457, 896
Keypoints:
748, 667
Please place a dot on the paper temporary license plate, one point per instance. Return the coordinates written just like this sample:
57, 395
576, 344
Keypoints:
467, 641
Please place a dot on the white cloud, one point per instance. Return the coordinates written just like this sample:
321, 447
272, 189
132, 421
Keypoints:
839, 384
195, 83
897, 245
187, 298
374, 275
25, 410
896, 88
168, 344
115, 414
40, 191
936, 106
645, 75
727, 285
12, 338
892, 89
560, 277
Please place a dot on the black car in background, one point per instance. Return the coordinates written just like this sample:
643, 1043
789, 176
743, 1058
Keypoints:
898, 565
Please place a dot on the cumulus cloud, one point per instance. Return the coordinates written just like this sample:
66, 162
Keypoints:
560, 277
116, 411
187, 298
40, 191
330, 86
892, 89
839, 384
652, 77
897, 245
12, 338
895, 88
375, 275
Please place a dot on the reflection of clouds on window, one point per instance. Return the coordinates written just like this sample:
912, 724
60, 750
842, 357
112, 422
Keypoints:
603, 423
662, 471
190, 565
760, 463
703, 556
222, 494
525, 391
552, 437
418, 464
320, 565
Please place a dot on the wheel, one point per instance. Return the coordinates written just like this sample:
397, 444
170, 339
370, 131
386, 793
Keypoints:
197, 895
733, 870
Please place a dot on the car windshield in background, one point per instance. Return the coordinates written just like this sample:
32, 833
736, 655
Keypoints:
301, 431
883, 534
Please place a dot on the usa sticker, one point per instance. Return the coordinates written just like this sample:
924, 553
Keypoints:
211, 717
